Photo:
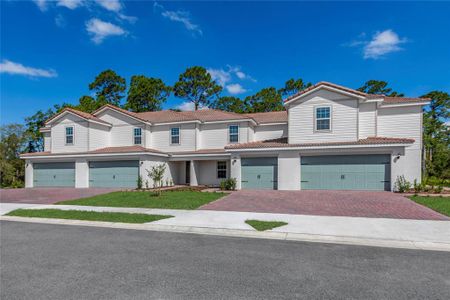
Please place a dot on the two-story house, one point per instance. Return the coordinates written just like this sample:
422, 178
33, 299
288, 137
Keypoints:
329, 137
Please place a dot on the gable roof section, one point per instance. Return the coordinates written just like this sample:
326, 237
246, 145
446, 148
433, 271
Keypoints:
120, 110
385, 99
81, 114
269, 117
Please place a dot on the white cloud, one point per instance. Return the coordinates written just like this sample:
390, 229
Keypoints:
99, 30
188, 106
238, 72
235, 89
9, 67
42, 4
383, 43
179, 16
220, 75
70, 4
60, 21
111, 5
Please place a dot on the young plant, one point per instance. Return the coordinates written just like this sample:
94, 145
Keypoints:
417, 187
157, 175
139, 182
402, 185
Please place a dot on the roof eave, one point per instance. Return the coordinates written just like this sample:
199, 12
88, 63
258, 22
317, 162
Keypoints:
333, 89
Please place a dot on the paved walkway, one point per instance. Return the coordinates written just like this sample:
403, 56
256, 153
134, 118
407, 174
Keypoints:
326, 203
48, 195
423, 234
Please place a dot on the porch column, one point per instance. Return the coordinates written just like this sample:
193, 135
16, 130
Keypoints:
193, 168
235, 170
81, 173
29, 180
289, 170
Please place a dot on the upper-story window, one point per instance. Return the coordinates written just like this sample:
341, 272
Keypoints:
175, 135
323, 118
69, 135
233, 133
137, 136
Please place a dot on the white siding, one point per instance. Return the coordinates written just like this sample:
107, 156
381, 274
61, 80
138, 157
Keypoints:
270, 132
161, 138
403, 122
213, 136
47, 141
80, 131
121, 133
343, 120
367, 120
99, 136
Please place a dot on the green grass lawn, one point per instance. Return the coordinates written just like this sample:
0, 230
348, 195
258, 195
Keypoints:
439, 204
169, 199
264, 225
86, 215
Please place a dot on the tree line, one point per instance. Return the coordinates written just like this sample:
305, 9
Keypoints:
197, 86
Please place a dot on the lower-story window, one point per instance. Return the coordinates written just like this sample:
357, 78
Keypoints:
221, 169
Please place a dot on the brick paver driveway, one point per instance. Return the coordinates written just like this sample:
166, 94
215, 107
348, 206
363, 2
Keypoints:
48, 195
326, 203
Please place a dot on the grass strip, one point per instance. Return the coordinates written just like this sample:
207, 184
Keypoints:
264, 225
145, 199
436, 203
87, 215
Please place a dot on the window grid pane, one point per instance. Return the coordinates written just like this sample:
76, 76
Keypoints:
175, 135
137, 136
323, 124
69, 135
221, 169
234, 133
323, 118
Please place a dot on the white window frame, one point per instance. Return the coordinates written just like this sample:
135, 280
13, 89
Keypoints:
217, 169
229, 134
179, 135
137, 136
317, 119
72, 135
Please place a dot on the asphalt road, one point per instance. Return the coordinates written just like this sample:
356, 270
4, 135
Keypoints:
41, 261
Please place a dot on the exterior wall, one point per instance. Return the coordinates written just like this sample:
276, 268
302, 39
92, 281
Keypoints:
343, 118
121, 134
161, 138
81, 173
405, 122
147, 162
47, 141
58, 134
29, 180
208, 172
289, 170
367, 120
99, 136
269, 132
235, 170
215, 136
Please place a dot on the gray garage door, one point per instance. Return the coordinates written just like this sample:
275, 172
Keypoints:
123, 174
54, 174
346, 172
259, 173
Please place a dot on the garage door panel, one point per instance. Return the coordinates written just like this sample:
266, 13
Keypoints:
114, 174
358, 172
54, 174
259, 173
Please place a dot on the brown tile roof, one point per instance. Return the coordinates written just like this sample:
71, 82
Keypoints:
201, 151
124, 149
282, 142
204, 115
269, 117
386, 99
79, 113
399, 100
130, 113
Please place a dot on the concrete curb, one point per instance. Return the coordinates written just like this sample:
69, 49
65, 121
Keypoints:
402, 244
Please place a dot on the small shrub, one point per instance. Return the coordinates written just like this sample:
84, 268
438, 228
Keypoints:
147, 185
167, 182
402, 185
139, 182
228, 184
438, 189
171, 182
417, 187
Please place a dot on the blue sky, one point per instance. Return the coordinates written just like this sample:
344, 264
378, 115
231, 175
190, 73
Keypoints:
51, 51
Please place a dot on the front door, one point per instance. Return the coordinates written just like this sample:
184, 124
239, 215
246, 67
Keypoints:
188, 172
